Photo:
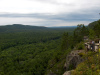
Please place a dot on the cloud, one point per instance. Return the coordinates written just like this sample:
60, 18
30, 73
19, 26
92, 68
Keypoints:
47, 6
74, 16
26, 21
49, 12
48, 19
25, 6
56, 2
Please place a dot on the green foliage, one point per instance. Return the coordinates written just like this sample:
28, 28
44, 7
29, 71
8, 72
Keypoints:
57, 66
71, 66
91, 34
95, 27
92, 24
80, 46
79, 33
89, 67
27, 53
27, 50
82, 54
26, 59
65, 41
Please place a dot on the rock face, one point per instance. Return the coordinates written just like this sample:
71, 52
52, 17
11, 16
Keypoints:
68, 72
73, 59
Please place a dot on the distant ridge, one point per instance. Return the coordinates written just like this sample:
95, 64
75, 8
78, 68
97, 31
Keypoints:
19, 28
24, 28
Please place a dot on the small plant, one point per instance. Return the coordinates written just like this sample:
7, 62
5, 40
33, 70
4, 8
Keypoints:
81, 54
80, 46
71, 66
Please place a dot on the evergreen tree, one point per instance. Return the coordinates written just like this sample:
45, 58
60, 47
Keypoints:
96, 29
65, 41
91, 34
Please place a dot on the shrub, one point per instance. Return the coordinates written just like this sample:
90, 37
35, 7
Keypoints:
89, 67
80, 46
81, 54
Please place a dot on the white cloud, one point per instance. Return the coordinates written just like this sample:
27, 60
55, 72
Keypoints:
26, 21
24, 6
39, 22
46, 6
56, 10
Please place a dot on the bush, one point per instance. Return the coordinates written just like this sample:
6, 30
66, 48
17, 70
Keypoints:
81, 54
89, 67
80, 46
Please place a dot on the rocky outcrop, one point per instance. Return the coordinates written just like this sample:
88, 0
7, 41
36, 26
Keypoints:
68, 72
73, 59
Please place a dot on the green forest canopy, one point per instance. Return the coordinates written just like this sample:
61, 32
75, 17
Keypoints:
32, 50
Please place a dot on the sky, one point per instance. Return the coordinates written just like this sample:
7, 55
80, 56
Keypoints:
49, 13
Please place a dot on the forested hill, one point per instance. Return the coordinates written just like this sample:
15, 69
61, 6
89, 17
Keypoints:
93, 24
30, 50
19, 27
23, 28
34, 50
90, 62
95, 29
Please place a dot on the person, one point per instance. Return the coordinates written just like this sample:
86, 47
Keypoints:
86, 46
93, 45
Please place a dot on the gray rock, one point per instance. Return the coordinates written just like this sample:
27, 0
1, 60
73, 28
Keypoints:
73, 59
68, 72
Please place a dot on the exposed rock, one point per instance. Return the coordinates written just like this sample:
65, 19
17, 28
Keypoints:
51, 73
73, 59
68, 72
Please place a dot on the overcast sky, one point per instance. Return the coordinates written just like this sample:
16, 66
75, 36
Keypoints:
49, 12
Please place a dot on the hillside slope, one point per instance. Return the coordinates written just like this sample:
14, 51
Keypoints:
91, 63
